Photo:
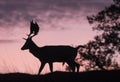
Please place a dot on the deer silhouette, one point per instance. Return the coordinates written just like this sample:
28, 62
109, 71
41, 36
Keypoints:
51, 54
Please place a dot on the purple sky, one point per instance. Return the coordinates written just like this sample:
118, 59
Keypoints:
62, 22
14, 12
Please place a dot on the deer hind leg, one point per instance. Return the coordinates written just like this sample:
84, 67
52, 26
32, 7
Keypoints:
72, 66
41, 67
78, 66
51, 66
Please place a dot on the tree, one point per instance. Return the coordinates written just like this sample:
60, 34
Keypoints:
102, 49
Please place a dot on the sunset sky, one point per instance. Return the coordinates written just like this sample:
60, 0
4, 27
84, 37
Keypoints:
62, 22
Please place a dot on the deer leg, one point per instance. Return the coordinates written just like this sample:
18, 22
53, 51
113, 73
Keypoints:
51, 67
73, 68
78, 66
75, 65
72, 65
41, 67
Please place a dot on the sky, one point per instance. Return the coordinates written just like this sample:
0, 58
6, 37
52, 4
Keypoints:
62, 22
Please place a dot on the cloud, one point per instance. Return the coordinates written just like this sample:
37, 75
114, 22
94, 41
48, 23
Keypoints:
14, 12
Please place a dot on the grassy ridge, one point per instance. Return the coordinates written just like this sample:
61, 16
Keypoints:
95, 76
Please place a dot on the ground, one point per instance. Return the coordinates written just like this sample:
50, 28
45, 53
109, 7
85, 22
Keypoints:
95, 76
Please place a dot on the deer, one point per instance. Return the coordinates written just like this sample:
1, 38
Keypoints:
52, 53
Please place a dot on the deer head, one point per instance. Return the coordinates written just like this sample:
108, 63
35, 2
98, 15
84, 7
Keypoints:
28, 43
34, 28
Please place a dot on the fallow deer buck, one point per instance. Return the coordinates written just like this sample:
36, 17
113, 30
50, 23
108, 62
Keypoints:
51, 54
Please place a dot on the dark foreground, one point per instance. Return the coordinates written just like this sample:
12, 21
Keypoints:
93, 76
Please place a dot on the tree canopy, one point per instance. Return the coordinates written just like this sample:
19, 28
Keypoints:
103, 48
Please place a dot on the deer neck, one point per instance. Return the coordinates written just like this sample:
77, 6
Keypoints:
34, 49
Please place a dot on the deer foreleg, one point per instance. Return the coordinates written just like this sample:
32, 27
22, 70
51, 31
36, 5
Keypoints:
51, 67
41, 67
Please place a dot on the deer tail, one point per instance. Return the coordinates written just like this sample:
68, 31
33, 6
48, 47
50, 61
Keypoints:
80, 46
63, 63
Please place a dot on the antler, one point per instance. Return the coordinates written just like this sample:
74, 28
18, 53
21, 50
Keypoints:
24, 38
34, 29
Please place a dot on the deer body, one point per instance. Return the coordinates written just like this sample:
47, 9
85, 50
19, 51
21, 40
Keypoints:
57, 53
50, 54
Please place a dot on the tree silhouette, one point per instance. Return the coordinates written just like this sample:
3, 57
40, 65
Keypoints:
105, 45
